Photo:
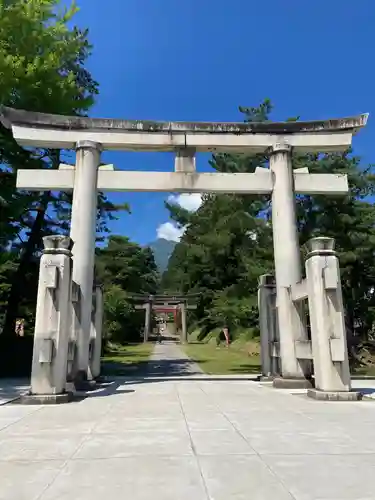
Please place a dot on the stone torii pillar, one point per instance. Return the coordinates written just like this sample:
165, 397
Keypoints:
288, 269
51, 337
83, 233
97, 331
184, 337
147, 308
146, 332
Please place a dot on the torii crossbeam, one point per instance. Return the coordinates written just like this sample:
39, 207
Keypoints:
90, 136
259, 182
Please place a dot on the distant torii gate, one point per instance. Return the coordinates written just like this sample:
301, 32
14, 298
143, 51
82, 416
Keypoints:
170, 303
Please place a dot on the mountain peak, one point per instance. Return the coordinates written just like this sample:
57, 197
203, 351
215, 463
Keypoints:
162, 250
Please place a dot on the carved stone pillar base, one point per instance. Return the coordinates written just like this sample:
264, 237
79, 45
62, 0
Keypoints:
45, 399
292, 383
334, 395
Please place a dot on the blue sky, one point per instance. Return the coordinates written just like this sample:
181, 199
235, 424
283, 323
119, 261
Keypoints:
201, 59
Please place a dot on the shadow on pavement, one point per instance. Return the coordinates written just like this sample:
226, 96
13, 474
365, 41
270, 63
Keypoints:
157, 368
104, 389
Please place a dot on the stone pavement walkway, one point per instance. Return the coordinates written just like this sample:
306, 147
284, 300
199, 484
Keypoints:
11, 389
188, 438
169, 360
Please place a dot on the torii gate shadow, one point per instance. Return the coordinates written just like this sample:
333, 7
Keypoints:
158, 368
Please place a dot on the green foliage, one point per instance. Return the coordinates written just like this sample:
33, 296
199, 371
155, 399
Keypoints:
225, 248
124, 268
42, 68
228, 242
41, 58
350, 220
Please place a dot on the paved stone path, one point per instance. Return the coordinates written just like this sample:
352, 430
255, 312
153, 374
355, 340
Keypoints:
192, 437
169, 360
11, 389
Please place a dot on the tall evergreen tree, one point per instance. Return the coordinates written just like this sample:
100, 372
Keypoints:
42, 68
226, 246
125, 268
228, 241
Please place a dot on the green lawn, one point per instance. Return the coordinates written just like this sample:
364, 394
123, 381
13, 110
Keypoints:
238, 359
368, 371
126, 360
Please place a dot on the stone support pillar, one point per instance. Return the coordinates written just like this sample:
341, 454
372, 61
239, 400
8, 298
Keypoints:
83, 233
287, 265
96, 332
51, 338
267, 324
74, 308
184, 333
146, 332
328, 333
185, 160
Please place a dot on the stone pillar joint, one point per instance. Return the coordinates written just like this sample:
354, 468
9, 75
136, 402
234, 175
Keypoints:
86, 144
267, 280
321, 245
57, 244
280, 147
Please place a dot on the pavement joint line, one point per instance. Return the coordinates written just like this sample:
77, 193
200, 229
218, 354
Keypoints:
58, 473
273, 473
19, 420
193, 447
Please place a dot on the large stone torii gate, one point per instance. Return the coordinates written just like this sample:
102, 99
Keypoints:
89, 137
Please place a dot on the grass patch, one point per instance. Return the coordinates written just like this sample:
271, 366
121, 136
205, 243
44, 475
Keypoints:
126, 360
240, 358
364, 370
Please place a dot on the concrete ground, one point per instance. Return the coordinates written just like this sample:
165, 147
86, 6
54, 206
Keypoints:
189, 437
11, 389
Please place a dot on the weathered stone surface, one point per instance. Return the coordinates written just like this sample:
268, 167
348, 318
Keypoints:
334, 396
51, 335
83, 233
291, 383
10, 116
45, 399
288, 270
327, 318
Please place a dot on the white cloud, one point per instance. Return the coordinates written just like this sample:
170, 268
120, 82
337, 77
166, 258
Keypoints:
188, 201
169, 231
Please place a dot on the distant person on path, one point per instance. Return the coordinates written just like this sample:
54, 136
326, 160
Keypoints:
159, 327
223, 335
226, 335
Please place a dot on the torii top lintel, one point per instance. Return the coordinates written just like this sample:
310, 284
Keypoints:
63, 132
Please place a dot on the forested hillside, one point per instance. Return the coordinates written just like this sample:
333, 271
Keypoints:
228, 241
